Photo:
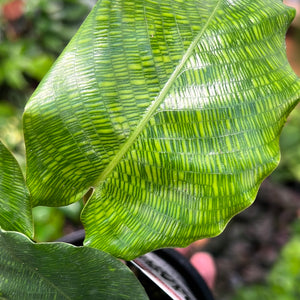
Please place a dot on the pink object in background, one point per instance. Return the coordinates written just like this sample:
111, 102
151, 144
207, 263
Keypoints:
13, 10
204, 263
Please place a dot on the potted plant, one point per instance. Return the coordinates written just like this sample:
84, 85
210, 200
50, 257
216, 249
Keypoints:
164, 117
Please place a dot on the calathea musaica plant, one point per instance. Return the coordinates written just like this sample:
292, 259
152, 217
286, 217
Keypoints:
165, 117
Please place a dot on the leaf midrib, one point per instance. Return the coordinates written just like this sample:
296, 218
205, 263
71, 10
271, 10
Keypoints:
118, 157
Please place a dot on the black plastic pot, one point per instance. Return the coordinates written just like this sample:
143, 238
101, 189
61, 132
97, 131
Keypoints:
164, 273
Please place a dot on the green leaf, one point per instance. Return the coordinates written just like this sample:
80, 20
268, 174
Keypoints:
49, 223
166, 114
61, 271
15, 207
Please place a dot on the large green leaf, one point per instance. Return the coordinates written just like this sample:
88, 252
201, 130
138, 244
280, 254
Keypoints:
15, 207
166, 114
61, 271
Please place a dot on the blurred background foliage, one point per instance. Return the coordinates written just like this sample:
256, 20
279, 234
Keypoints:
283, 281
288, 170
32, 34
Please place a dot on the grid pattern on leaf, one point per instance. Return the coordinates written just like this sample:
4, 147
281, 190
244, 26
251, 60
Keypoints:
175, 127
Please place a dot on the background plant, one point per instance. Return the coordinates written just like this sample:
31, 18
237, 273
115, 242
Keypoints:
32, 35
282, 282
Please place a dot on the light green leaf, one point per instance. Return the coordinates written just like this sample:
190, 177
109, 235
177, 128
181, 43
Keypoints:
15, 207
61, 271
169, 111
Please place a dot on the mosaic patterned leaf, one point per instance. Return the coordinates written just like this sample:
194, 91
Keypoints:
15, 206
61, 271
167, 113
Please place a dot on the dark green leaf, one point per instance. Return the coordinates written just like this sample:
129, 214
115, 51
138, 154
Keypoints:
15, 207
61, 271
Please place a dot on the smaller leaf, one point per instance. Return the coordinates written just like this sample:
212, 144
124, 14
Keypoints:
61, 271
15, 207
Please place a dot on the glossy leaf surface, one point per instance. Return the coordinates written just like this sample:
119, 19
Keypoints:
61, 271
15, 207
170, 111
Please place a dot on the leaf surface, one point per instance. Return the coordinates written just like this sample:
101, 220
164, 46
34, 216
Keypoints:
61, 271
167, 114
15, 207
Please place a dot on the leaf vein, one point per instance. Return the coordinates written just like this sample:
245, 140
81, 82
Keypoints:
118, 157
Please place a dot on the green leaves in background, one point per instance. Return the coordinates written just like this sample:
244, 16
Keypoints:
61, 271
169, 111
48, 223
11, 133
15, 207
289, 168
19, 59
283, 281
